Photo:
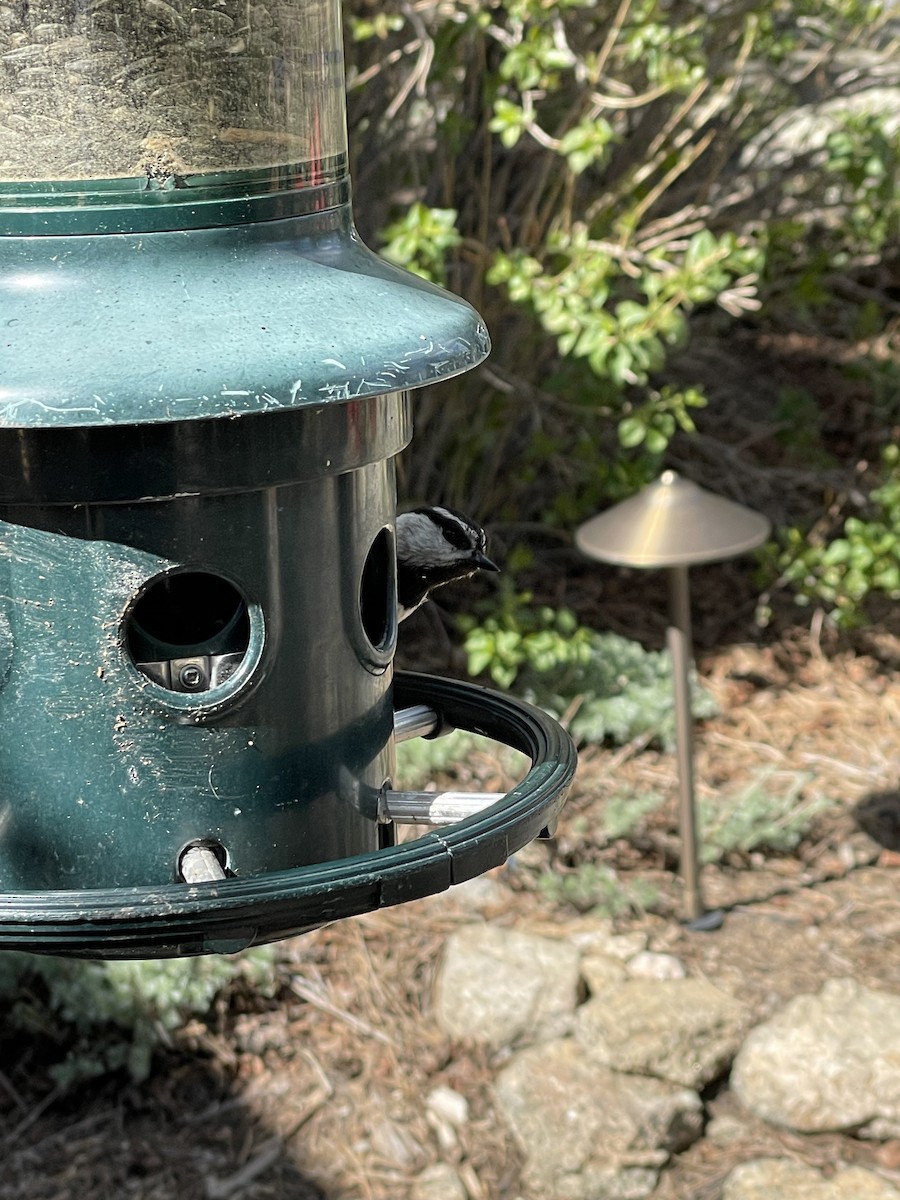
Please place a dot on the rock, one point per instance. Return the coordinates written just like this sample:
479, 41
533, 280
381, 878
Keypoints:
439, 1182
763, 1178
829, 1061
446, 1111
394, 1143
650, 965
726, 1130
587, 1131
498, 986
593, 935
599, 970
682, 1030
448, 1105
477, 894
620, 945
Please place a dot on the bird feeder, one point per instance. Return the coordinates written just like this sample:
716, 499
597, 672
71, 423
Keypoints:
675, 524
205, 380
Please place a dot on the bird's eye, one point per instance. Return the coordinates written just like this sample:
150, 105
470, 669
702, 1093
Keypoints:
457, 538
454, 532
458, 531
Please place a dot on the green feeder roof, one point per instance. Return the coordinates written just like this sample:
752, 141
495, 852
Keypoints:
134, 329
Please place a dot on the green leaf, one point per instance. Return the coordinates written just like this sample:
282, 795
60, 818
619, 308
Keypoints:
701, 247
657, 441
632, 432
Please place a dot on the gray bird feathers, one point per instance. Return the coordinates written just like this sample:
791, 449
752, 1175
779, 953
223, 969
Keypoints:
435, 546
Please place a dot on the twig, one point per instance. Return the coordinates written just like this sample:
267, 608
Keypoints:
11, 1092
326, 1091
265, 1157
394, 56
35, 1114
69, 1131
845, 767
419, 74
635, 746
302, 988
615, 29
687, 159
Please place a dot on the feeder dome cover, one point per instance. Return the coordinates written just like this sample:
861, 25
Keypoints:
671, 522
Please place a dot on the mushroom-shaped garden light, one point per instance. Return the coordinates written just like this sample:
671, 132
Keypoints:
676, 524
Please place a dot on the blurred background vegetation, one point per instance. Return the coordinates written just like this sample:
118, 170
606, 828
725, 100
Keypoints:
680, 222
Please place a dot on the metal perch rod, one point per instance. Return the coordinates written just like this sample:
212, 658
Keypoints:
416, 721
199, 864
434, 808
428, 808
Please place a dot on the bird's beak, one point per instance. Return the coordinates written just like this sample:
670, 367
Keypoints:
482, 560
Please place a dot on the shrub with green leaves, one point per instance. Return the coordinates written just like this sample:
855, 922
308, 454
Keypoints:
105, 1017
590, 173
421, 240
592, 887
624, 812
838, 573
768, 814
863, 153
606, 686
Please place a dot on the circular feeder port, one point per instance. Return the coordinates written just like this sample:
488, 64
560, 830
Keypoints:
378, 596
188, 631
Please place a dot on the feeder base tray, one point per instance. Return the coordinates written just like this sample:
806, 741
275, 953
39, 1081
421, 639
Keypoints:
224, 916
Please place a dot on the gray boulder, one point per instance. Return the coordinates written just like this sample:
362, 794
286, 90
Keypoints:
684, 1030
829, 1061
587, 1131
764, 1178
499, 986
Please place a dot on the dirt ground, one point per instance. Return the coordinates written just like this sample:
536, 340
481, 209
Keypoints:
320, 1093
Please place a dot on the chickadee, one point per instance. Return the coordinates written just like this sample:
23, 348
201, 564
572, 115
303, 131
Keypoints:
435, 546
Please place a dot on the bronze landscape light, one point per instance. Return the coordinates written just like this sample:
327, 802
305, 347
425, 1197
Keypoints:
675, 524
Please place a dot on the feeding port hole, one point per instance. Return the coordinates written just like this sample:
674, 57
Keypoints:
189, 631
378, 593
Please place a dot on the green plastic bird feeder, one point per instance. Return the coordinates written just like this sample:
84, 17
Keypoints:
204, 380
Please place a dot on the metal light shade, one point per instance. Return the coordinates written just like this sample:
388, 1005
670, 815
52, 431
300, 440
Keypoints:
671, 522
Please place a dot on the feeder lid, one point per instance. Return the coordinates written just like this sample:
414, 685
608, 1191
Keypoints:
672, 522
138, 329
